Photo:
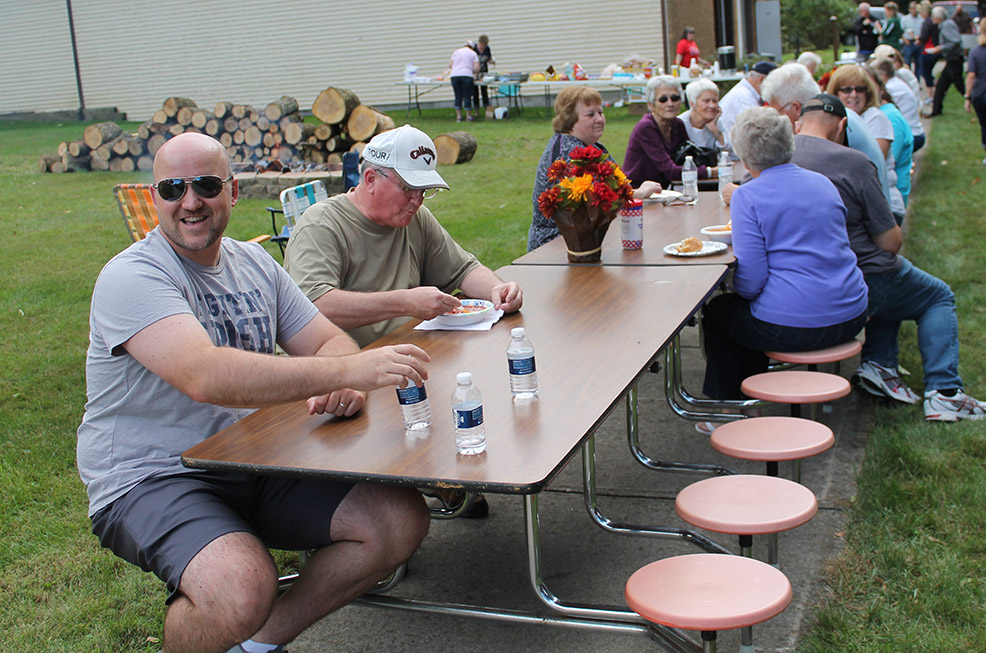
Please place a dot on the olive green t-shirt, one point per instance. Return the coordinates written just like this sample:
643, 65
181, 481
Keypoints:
333, 245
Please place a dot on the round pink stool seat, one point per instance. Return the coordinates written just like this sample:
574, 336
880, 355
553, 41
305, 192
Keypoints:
832, 354
746, 504
795, 387
708, 592
772, 438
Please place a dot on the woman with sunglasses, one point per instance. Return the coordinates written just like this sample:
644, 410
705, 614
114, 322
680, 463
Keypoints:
658, 135
857, 91
578, 122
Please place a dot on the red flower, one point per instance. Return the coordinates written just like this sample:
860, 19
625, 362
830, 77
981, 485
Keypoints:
557, 170
548, 201
587, 154
603, 196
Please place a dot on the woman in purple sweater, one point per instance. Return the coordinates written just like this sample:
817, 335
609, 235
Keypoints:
657, 136
796, 280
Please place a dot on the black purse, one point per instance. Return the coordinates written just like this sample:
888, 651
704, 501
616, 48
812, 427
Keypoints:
702, 156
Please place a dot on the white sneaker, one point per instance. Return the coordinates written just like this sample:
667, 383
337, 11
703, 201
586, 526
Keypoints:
884, 382
939, 408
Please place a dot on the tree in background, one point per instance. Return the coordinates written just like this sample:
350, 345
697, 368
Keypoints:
805, 24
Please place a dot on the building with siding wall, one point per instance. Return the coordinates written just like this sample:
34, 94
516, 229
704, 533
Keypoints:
133, 55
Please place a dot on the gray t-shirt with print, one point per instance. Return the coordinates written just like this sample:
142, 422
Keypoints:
136, 424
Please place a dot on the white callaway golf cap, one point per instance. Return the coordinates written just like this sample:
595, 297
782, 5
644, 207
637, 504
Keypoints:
410, 153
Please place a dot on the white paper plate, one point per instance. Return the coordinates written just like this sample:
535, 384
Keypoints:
709, 247
664, 196
457, 319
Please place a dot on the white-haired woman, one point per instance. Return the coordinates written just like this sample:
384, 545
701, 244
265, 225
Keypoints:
796, 280
658, 135
702, 120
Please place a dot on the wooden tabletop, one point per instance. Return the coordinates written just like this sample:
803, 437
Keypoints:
595, 330
662, 225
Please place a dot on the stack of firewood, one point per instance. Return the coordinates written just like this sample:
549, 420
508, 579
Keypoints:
278, 132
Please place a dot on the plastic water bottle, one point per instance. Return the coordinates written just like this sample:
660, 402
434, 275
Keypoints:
467, 411
725, 170
520, 364
689, 179
415, 407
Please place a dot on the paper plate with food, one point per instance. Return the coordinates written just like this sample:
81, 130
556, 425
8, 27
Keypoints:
469, 312
694, 247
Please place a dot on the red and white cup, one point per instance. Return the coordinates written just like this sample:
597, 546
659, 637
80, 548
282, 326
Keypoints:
632, 225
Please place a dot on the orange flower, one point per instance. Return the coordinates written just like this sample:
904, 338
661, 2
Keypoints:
577, 187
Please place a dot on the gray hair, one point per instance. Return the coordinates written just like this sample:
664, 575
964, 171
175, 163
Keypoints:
763, 138
939, 12
790, 83
659, 82
809, 59
697, 87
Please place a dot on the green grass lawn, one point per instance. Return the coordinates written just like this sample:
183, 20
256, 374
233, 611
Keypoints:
912, 578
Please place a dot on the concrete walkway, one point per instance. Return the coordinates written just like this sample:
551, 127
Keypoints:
484, 561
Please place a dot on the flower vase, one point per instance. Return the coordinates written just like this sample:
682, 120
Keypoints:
583, 229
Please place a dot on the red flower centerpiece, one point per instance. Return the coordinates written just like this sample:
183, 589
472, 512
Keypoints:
588, 192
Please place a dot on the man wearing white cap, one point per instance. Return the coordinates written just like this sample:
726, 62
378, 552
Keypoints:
376, 257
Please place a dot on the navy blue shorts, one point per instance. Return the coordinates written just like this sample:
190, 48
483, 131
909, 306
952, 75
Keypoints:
163, 522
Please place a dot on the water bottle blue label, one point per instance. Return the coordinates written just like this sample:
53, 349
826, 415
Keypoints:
467, 419
521, 366
412, 394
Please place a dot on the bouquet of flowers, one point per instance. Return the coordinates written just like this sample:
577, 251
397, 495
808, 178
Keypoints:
588, 192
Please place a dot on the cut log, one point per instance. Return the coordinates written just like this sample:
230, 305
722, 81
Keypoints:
269, 139
121, 145
137, 147
340, 143
122, 164
96, 163
238, 111
289, 119
280, 108
57, 166
184, 116
245, 123
222, 109
172, 105
226, 139
335, 157
155, 142
252, 135
176, 129
62, 148
238, 137
324, 132
263, 123
99, 133
144, 131
78, 148
357, 147
455, 147
297, 132
213, 127
333, 105
199, 118
103, 152
231, 124
75, 163
160, 117
145, 163
365, 122
45, 161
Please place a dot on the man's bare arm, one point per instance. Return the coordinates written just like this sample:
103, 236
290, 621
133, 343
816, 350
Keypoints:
178, 349
482, 283
350, 309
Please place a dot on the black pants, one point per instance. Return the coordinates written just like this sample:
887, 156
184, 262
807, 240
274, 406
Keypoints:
476, 90
979, 104
951, 75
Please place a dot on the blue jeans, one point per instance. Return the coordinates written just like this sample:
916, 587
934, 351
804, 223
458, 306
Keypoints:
911, 54
912, 294
735, 342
